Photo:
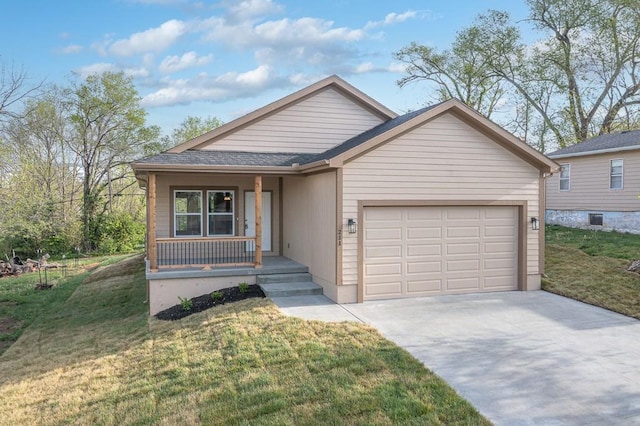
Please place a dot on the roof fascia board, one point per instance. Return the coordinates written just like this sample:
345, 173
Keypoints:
360, 97
148, 167
596, 152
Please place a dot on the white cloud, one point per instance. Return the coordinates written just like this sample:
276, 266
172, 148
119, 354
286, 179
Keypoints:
304, 31
397, 67
100, 67
188, 60
71, 49
232, 85
292, 42
249, 9
364, 68
392, 18
151, 40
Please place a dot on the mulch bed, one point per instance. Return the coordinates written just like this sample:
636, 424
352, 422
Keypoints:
204, 302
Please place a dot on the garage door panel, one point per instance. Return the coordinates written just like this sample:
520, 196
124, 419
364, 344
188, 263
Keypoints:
499, 213
423, 214
424, 286
423, 267
463, 248
454, 213
472, 265
386, 234
463, 284
498, 231
501, 264
506, 247
383, 269
504, 282
463, 232
424, 250
416, 233
383, 214
383, 252
385, 289
439, 250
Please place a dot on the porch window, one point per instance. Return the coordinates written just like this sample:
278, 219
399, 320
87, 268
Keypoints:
221, 213
187, 213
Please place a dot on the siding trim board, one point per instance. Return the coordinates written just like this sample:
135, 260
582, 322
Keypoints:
522, 224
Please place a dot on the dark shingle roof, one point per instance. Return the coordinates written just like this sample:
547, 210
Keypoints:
269, 159
228, 158
609, 141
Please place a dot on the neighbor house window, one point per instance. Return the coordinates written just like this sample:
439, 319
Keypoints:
220, 213
565, 177
187, 207
595, 219
615, 174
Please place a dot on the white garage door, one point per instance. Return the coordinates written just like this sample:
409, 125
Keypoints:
421, 251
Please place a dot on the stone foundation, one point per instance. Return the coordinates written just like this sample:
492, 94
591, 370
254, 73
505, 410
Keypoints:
611, 221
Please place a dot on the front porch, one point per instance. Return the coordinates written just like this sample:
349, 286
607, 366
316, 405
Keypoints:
168, 284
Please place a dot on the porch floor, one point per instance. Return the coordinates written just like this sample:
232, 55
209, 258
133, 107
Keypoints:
270, 265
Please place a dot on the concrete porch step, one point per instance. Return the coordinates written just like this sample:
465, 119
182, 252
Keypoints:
290, 288
283, 278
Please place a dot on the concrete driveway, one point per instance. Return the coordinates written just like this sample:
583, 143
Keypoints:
521, 358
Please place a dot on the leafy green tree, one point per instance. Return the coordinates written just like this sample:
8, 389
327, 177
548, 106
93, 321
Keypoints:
581, 78
192, 127
108, 131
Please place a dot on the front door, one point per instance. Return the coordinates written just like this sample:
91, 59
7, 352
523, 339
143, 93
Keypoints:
250, 217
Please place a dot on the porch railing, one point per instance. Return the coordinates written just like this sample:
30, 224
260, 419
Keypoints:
206, 252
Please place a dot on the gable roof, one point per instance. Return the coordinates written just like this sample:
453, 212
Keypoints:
333, 81
396, 127
610, 142
201, 160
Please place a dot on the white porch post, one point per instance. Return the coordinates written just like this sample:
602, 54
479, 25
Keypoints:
258, 193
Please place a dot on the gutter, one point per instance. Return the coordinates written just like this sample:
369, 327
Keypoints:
266, 170
596, 152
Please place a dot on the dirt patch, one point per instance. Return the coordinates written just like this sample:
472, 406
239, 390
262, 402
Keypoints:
8, 324
207, 301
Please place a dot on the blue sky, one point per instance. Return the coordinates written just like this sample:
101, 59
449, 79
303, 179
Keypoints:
226, 58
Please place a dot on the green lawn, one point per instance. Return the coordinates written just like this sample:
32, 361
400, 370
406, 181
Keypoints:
21, 303
590, 266
99, 359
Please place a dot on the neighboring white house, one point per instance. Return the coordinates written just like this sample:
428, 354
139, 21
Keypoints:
598, 184
376, 205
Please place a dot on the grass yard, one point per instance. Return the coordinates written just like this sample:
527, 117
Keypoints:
99, 359
590, 266
21, 304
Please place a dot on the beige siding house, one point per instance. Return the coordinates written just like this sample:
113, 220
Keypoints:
598, 184
373, 205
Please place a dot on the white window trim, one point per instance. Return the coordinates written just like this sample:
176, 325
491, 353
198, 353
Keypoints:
175, 213
568, 179
232, 214
611, 175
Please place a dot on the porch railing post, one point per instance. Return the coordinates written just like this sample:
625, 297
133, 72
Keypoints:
258, 193
151, 221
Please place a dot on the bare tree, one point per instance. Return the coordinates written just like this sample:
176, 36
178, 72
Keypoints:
14, 89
